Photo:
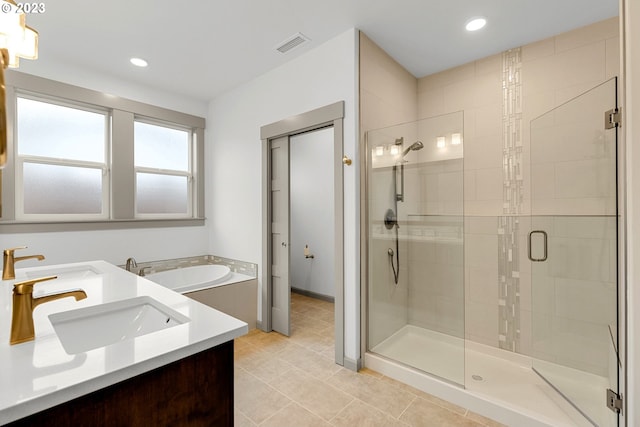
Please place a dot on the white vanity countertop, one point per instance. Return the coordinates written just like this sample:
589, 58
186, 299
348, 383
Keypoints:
39, 374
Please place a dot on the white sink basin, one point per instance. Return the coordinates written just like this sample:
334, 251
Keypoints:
75, 272
92, 327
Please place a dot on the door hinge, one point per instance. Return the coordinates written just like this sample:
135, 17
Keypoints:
614, 401
612, 118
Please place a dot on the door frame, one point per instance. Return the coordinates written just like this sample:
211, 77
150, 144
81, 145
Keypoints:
329, 115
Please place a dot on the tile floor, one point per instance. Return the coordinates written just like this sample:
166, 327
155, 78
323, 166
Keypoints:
293, 381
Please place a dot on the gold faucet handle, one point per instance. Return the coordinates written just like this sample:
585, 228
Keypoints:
26, 287
9, 252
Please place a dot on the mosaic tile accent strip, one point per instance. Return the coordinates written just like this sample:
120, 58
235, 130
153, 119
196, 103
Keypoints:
513, 185
509, 283
243, 267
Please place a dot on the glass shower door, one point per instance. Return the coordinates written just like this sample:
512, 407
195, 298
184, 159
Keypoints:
415, 292
573, 252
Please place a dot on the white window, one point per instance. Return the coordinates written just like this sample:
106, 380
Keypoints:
81, 157
61, 160
163, 169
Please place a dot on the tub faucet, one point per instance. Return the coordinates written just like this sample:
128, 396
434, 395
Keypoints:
131, 263
22, 329
9, 260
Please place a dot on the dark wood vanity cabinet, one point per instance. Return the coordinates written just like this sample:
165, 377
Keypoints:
194, 391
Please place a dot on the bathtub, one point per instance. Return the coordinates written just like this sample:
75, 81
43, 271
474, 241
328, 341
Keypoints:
192, 278
217, 286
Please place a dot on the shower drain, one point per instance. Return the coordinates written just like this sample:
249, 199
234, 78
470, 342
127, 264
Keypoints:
477, 377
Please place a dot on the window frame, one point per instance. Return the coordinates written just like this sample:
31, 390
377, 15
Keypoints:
119, 158
21, 159
168, 172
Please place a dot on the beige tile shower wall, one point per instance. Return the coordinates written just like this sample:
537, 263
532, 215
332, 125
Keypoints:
388, 92
481, 279
584, 271
554, 71
436, 274
475, 89
388, 96
481, 266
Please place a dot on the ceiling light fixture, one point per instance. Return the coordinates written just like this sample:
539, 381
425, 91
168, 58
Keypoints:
475, 24
139, 62
18, 39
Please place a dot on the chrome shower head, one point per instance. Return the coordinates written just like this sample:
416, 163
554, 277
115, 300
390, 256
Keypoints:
418, 145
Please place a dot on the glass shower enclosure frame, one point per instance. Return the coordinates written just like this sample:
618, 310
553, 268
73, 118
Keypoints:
416, 245
416, 252
573, 249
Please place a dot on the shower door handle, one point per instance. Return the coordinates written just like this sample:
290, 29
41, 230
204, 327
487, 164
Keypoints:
544, 246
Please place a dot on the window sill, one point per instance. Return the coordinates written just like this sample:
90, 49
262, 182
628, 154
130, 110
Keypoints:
36, 227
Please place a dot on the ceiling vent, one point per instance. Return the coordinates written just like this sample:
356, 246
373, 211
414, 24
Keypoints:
292, 42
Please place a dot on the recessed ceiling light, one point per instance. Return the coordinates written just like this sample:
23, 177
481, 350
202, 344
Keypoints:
138, 62
475, 24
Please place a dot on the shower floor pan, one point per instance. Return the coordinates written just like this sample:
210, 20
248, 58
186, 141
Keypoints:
499, 384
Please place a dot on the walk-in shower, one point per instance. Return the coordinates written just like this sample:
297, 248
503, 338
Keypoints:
516, 309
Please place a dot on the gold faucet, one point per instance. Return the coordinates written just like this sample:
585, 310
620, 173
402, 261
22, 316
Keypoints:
24, 303
8, 262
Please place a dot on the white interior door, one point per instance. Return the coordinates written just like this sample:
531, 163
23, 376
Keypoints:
281, 294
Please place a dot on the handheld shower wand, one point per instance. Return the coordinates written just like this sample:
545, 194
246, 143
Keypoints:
418, 145
390, 218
